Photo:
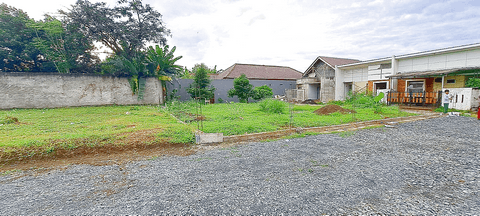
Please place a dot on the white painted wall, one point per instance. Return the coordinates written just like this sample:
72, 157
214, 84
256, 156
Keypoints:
356, 74
469, 58
470, 98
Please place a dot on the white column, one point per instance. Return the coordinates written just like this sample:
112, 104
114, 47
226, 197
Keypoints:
443, 81
394, 82
339, 86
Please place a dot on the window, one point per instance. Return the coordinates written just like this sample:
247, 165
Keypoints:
414, 86
386, 66
438, 80
450, 81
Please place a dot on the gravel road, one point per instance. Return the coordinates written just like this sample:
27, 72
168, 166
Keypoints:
428, 167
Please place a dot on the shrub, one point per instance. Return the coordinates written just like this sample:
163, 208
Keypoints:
473, 83
272, 106
241, 88
262, 92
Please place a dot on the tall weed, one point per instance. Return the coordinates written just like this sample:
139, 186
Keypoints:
272, 106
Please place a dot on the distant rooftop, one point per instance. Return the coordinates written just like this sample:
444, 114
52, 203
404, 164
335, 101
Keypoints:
259, 72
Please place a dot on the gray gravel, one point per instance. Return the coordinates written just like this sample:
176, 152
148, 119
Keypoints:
426, 167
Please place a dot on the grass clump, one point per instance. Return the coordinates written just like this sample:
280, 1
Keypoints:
178, 134
272, 106
9, 120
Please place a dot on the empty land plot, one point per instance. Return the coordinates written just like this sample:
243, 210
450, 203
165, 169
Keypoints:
429, 167
35, 133
241, 118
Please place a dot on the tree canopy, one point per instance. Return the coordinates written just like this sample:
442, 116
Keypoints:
17, 51
125, 28
44, 45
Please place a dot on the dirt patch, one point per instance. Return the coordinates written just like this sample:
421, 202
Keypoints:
133, 146
309, 101
331, 109
189, 116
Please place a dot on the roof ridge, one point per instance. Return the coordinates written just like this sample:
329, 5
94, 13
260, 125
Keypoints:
338, 58
262, 65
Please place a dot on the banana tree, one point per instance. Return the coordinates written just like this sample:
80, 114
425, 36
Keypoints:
161, 63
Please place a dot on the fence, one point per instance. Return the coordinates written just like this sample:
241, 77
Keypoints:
415, 98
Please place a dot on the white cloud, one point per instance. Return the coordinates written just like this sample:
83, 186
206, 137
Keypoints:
293, 32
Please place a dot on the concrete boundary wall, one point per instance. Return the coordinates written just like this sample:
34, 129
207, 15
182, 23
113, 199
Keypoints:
222, 86
51, 90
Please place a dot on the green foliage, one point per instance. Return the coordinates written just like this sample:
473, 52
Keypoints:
473, 83
379, 97
162, 61
262, 92
129, 22
241, 88
17, 49
201, 88
52, 44
203, 66
273, 106
155, 62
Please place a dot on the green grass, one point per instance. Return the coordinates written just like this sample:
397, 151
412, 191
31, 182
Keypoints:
90, 125
466, 113
241, 118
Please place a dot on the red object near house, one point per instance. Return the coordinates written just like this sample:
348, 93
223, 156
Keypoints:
478, 114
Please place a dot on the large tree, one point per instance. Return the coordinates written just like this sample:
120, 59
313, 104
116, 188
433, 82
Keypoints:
44, 45
125, 28
17, 49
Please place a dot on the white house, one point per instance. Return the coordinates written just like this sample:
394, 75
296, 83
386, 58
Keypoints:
429, 71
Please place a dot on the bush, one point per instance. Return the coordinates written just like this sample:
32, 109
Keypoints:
361, 101
473, 83
262, 92
272, 106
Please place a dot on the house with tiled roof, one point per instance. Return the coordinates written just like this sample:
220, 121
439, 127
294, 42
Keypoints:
318, 81
416, 78
259, 72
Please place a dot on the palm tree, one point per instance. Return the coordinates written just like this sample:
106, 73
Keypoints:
163, 61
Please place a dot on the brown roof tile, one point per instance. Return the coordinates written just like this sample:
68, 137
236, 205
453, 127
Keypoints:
262, 72
332, 61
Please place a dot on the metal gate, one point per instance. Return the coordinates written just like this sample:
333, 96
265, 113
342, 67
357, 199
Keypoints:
415, 98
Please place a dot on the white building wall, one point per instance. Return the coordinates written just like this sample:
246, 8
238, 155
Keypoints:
469, 58
464, 98
346, 76
356, 74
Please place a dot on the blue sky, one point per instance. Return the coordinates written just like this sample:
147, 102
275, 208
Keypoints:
294, 32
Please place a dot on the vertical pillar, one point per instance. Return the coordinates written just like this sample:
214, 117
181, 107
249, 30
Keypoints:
443, 81
394, 82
